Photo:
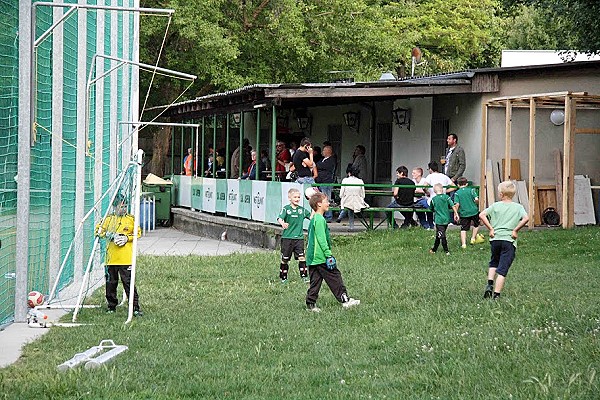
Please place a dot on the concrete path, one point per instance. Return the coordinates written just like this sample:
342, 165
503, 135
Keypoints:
161, 242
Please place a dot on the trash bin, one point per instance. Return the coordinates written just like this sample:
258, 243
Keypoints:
161, 189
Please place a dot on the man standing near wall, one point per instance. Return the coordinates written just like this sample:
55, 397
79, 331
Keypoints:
455, 160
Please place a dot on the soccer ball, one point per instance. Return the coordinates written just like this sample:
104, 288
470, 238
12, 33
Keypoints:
309, 192
34, 299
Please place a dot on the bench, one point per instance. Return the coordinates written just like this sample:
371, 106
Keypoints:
367, 215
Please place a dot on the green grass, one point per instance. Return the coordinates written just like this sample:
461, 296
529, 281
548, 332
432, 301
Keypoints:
224, 327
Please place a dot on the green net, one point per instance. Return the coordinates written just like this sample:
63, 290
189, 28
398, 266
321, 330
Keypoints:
9, 79
76, 191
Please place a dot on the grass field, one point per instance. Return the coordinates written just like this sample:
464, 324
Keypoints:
224, 327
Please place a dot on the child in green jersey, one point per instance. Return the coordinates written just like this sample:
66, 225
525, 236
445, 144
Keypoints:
321, 263
441, 205
467, 200
504, 219
291, 219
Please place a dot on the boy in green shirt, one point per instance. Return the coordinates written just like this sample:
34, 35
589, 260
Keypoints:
321, 263
441, 205
467, 201
291, 219
507, 218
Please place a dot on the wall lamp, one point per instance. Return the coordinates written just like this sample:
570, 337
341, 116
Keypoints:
402, 117
236, 119
303, 120
352, 119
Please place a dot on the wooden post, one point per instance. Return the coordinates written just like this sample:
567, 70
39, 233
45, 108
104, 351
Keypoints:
508, 126
567, 213
531, 177
484, 133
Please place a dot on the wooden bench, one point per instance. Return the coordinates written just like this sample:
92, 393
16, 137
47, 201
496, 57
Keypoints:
367, 215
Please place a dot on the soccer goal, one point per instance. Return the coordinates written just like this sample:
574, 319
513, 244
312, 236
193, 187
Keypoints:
123, 192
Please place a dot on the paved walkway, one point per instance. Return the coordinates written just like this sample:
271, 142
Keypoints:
161, 242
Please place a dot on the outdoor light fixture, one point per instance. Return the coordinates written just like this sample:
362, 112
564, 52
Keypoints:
352, 119
402, 117
303, 120
282, 121
236, 119
557, 117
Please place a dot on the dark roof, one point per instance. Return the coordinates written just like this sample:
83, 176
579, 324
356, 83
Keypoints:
292, 95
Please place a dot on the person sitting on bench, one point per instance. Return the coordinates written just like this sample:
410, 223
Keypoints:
403, 198
352, 197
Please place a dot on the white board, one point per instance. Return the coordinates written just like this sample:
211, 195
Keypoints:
584, 204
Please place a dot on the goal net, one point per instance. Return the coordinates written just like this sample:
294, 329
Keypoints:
88, 248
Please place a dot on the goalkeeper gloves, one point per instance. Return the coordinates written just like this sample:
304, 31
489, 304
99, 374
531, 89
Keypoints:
120, 239
330, 263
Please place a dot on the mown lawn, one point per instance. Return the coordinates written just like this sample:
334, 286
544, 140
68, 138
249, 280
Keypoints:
224, 327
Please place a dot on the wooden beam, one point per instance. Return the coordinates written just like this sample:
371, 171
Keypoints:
531, 175
571, 186
590, 131
484, 133
365, 92
567, 212
507, 139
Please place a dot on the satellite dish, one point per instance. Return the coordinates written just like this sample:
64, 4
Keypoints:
416, 54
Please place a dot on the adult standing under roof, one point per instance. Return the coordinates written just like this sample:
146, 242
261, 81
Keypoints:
359, 162
303, 162
455, 160
326, 168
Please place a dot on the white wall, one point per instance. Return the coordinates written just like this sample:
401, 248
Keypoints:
413, 148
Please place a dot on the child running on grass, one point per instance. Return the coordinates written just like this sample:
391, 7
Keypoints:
504, 219
291, 219
321, 263
467, 201
441, 205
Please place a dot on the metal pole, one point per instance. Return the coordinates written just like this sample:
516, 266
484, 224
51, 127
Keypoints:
241, 142
227, 149
203, 135
214, 143
257, 167
26, 31
273, 142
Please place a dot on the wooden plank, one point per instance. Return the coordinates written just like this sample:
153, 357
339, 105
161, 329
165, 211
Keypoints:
564, 216
483, 188
546, 198
489, 184
558, 179
515, 169
531, 172
507, 138
590, 131
584, 203
523, 195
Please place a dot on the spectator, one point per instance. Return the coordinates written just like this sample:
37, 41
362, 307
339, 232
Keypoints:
303, 162
325, 169
455, 161
352, 197
359, 162
283, 159
187, 163
235, 158
403, 197
425, 218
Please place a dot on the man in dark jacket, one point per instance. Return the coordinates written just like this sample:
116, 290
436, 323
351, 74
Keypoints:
326, 168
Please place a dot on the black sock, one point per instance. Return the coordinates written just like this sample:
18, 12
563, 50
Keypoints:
283, 271
491, 282
496, 295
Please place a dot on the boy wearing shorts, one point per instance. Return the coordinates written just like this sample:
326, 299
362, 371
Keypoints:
441, 205
504, 219
291, 219
467, 201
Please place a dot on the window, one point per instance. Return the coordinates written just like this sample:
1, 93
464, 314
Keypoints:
439, 132
383, 153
